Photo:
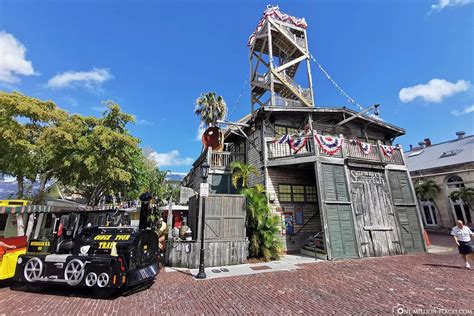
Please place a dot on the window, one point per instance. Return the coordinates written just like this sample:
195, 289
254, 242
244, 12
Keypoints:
454, 182
283, 130
429, 212
450, 153
284, 193
297, 193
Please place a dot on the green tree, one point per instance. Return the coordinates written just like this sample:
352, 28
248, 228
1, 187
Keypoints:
24, 124
241, 173
464, 194
262, 226
428, 190
210, 107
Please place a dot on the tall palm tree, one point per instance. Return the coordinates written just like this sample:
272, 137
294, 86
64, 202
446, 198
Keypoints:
241, 171
428, 190
465, 194
210, 107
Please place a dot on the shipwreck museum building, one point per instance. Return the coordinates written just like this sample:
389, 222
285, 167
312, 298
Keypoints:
334, 175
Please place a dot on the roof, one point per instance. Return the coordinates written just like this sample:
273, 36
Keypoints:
398, 131
453, 152
275, 13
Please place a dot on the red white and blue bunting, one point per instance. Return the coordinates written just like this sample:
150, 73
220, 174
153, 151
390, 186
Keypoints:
387, 150
329, 144
296, 142
365, 148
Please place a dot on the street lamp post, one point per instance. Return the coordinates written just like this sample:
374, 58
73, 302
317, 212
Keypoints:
204, 173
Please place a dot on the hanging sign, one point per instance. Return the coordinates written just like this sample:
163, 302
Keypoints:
288, 226
330, 145
204, 190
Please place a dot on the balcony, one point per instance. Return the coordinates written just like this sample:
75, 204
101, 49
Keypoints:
349, 150
223, 159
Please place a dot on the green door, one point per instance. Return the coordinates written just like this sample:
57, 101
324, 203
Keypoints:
338, 212
407, 214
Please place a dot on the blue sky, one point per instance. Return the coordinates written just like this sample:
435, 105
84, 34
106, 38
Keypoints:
155, 58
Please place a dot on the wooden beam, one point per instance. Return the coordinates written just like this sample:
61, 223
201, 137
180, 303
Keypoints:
291, 63
289, 38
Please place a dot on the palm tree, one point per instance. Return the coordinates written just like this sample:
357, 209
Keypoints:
428, 190
465, 194
241, 171
210, 107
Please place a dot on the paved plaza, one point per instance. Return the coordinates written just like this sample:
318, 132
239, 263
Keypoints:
373, 285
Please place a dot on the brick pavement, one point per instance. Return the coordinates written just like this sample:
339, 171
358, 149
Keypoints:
372, 285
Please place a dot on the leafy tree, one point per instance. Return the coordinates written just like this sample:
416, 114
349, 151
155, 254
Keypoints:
262, 226
464, 194
210, 107
24, 122
241, 172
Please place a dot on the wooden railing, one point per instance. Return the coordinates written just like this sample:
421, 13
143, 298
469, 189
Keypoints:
349, 149
276, 150
353, 150
223, 159
284, 102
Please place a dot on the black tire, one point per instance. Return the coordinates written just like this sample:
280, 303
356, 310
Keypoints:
104, 293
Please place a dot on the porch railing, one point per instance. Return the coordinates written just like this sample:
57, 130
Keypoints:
223, 159
349, 149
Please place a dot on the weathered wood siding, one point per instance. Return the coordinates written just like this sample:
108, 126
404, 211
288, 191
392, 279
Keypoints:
311, 214
254, 158
374, 212
224, 231
185, 254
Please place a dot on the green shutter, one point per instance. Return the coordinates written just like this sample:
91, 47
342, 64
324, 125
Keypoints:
400, 185
341, 231
410, 229
334, 183
406, 210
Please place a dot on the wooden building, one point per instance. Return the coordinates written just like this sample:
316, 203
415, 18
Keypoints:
341, 188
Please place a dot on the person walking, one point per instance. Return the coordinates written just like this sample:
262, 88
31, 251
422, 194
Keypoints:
462, 235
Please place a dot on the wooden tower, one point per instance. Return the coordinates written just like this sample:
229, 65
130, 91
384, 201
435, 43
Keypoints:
277, 48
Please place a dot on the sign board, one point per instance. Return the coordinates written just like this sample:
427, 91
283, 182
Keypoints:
299, 216
204, 190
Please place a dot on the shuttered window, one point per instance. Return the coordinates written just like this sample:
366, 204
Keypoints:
334, 183
297, 193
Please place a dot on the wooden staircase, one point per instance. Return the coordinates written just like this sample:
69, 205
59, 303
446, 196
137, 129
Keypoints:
315, 247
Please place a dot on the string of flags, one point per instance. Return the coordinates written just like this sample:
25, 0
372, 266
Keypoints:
331, 145
344, 94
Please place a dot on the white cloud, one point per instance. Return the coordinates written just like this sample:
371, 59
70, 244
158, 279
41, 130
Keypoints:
172, 158
12, 59
92, 79
466, 110
449, 3
433, 91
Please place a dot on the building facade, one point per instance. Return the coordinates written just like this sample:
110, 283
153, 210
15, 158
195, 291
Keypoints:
451, 166
341, 188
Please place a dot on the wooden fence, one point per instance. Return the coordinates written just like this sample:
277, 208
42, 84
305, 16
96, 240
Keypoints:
224, 231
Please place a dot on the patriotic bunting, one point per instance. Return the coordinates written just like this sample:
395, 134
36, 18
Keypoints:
365, 147
298, 143
274, 12
330, 145
387, 150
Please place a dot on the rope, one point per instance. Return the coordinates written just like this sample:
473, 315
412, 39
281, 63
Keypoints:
238, 99
348, 97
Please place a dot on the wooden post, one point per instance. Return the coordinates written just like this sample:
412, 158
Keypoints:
169, 219
308, 66
270, 63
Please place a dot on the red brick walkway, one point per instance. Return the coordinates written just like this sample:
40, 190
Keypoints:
373, 285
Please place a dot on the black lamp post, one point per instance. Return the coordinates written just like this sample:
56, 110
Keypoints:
204, 173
